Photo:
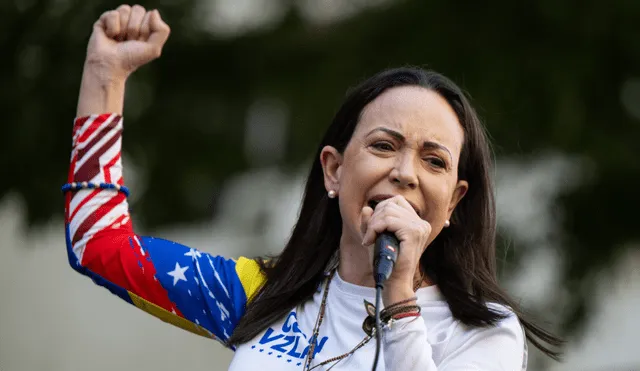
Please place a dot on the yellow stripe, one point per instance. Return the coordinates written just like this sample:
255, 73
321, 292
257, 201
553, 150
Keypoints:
169, 317
250, 275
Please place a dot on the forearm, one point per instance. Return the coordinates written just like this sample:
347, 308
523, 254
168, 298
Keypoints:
101, 91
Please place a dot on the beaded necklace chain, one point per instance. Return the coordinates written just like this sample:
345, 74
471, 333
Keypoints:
370, 332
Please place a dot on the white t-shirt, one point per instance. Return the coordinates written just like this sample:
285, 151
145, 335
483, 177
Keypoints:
434, 341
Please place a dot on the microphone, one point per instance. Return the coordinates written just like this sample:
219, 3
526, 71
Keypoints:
385, 254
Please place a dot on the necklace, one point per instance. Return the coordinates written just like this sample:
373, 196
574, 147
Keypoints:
316, 329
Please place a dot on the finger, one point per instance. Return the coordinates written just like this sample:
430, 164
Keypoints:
403, 203
381, 212
159, 31
125, 12
135, 21
379, 225
390, 207
110, 23
365, 216
145, 28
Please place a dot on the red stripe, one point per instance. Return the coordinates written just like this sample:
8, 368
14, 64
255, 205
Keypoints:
92, 127
118, 220
105, 168
103, 131
72, 168
93, 218
83, 202
91, 168
111, 255
68, 195
79, 122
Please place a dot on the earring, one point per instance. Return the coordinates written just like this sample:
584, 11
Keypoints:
447, 223
332, 194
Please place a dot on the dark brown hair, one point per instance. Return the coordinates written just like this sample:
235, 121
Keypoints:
461, 260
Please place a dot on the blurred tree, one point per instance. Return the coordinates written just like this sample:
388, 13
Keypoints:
545, 76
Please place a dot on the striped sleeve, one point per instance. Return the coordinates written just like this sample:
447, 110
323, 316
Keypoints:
196, 291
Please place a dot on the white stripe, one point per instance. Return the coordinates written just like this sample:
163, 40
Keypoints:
96, 132
217, 276
81, 195
101, 224
95, 148
115, 170
88, 209
84, 128
137, 241
77, 198
215, 273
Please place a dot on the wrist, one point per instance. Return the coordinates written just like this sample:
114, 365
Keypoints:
395, 292
101, 90
102, 72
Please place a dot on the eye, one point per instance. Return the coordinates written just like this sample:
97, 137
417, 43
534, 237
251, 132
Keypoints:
437, 162
383, 146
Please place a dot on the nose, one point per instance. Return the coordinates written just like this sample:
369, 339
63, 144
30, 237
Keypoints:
404, 173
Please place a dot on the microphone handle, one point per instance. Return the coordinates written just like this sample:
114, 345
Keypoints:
385, 254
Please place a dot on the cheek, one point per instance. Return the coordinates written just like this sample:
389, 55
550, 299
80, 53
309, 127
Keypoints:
438, 196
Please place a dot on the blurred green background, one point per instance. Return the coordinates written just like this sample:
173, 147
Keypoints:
248, 86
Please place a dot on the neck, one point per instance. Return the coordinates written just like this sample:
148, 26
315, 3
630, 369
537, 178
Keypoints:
356, 265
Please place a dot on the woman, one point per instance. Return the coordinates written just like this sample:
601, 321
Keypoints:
405, 153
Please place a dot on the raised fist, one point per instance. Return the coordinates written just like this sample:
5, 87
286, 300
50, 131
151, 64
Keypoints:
125, 39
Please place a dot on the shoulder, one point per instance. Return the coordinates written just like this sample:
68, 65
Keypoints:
503, 343
510, 319
250, 275
508, 326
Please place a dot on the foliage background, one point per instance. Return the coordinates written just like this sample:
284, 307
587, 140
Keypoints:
250, 85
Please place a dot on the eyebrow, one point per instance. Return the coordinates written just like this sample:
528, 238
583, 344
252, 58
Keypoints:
400, 137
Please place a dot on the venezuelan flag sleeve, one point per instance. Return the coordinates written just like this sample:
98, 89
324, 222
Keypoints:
196, 291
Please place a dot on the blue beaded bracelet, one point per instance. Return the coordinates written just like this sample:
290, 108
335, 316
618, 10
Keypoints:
88, 185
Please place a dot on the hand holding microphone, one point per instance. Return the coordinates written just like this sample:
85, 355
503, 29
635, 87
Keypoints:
395, 218
400, 238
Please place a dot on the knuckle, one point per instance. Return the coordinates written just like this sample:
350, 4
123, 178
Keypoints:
425, 228
124, 8
138, 8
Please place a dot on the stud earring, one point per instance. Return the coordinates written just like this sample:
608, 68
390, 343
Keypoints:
332, 194
447, 223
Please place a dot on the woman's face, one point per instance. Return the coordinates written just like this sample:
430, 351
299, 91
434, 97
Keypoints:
408, 143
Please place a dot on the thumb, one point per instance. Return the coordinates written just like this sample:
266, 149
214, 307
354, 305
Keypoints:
365, 216
159, 31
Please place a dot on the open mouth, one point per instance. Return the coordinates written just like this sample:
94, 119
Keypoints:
373, 203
